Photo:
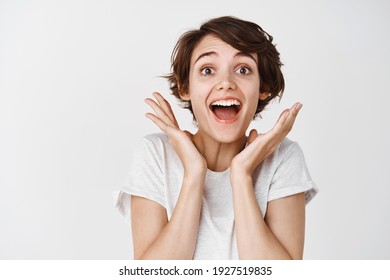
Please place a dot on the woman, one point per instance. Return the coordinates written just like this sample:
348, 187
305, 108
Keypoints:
219, 194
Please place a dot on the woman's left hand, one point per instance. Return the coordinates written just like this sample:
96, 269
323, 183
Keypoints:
261, 145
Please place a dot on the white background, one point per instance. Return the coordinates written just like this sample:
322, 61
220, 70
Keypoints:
73, 76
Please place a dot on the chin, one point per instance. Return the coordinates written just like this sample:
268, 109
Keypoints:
227, 136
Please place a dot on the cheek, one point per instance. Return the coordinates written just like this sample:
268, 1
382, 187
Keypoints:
252, 98
195, 97
253, 91
198, 106
198, 92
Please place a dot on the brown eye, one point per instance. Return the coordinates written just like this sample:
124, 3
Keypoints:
244, 70
207, 71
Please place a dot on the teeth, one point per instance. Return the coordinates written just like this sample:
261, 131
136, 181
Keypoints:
229, 102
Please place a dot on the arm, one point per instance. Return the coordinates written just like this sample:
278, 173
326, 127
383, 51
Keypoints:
155, 237
281, 234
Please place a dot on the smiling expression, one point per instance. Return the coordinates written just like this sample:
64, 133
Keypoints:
224, 88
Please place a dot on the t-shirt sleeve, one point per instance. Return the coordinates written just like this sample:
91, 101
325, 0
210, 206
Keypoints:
145, 178
292, 176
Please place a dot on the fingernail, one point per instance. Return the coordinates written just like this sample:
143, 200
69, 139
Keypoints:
299, 106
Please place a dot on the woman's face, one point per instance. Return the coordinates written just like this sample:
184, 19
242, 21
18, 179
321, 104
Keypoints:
224, 88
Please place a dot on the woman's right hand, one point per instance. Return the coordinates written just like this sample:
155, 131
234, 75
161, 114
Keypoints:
193, 162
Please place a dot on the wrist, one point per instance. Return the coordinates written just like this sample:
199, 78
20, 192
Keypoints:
241, 183
195, 177
239, 169
195, 167
240, 175
195, 170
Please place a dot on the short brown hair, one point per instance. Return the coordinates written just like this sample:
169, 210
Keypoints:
245, 36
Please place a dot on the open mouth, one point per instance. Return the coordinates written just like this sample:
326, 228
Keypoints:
226, 110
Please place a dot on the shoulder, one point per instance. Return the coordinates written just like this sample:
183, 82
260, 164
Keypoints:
288, 145
287, 149
155, 138
291, 174
156, 146
154, 142
150, 146
286, 154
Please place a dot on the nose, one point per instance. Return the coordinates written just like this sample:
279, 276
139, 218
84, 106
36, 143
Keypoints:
225, 82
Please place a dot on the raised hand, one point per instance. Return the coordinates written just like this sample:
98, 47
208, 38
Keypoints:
261, 145
193, 162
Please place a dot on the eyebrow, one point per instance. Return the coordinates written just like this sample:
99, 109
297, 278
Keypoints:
246, 55
212, 53
204, 55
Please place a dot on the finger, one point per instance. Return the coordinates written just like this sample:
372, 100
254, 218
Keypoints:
295, 109
282, 119
160, 113
287, 118
161, 124
292, 115
252, 136
164, 104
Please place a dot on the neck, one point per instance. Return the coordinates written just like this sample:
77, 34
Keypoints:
218, 155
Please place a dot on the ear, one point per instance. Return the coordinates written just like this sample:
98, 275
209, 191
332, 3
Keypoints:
264, 95
185, 96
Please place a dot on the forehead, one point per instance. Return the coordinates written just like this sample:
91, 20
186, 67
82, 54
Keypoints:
210, 43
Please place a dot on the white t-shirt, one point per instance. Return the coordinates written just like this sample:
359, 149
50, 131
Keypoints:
156, 174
